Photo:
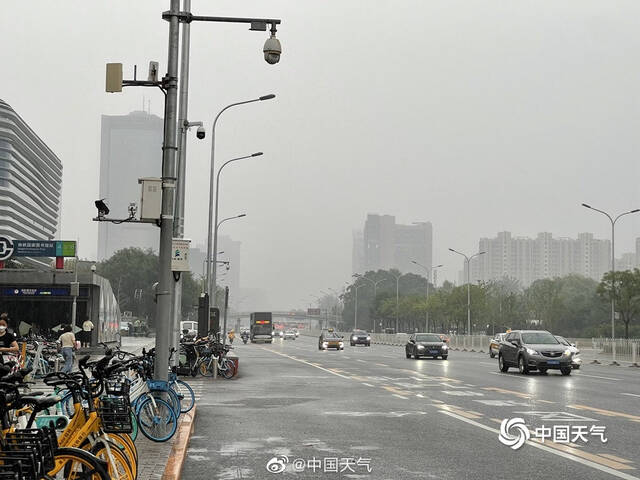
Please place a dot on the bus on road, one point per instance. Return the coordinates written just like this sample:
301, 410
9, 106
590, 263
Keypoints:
261, 327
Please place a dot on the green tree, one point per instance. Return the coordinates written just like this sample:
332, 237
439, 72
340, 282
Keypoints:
133, 272
626, 292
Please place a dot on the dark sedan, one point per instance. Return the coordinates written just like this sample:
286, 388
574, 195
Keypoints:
426, 345
360, 337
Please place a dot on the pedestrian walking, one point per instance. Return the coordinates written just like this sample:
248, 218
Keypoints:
87, 329
68, 343
8, 345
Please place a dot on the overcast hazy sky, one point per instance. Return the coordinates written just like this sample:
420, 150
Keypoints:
478, 116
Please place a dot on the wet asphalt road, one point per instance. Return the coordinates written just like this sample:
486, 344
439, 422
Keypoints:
373, 409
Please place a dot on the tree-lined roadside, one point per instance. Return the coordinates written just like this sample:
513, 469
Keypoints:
573, 305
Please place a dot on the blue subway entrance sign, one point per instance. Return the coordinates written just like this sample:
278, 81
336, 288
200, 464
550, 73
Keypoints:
36, 248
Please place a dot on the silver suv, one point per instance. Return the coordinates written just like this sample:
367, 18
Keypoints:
534, 350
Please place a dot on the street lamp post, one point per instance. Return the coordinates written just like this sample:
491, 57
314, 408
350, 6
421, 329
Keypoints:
428, 272
214, 267
212, 176
375, 291
468, 261
397, 277
355, 313
216, 234
613, 269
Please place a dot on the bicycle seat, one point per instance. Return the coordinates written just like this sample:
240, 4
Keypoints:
40, 403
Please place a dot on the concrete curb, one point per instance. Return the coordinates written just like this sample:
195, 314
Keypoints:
173, 470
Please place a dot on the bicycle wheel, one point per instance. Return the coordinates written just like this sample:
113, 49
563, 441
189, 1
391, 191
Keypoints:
118, 464
227, 369
185, 394
134, 423
156, 419
126, 446
205, 368
76, 464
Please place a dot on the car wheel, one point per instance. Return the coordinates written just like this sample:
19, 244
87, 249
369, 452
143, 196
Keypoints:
501, 365
408, 354
444, 357
522, 367
576, 367
368, 345
353, 344
416, 356
491, 354
543, 371
566, 370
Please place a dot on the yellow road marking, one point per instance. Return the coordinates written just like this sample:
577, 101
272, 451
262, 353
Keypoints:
464, 413
607, 462
608, 413
613, 457
510, 392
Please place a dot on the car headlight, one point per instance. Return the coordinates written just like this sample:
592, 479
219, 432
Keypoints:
420, 347
567, 352
354, 338
341, 344
530, 351
368, 338
444, 347
325, 344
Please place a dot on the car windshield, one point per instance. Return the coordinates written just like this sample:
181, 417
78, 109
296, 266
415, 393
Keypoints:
359, 332
539, 338
428, 338
331, 336
562, 340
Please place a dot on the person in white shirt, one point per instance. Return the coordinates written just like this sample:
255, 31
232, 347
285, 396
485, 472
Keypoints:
87, 327
68, 342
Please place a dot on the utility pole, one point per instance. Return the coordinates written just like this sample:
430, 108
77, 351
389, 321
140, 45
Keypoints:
178, 226
169, 148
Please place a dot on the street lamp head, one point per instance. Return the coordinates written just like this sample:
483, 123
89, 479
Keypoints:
587, 206
451, 250
272, 49
241, 215
257, 154
481, 253
635, 211
267, 97
438, 266
413, 261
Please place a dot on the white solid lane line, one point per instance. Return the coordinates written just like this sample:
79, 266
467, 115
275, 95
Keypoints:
568, 456
595, 376
631, 394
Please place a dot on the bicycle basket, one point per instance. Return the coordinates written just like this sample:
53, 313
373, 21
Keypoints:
117, 386
115, 414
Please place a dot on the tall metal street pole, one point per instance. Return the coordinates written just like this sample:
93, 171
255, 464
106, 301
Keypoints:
428, 274
178, 226
169, 148
211, 287
613, 269
214, 266
468, 262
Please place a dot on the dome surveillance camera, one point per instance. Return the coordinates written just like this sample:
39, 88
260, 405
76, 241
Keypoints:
272, 50
200, 133
93, 268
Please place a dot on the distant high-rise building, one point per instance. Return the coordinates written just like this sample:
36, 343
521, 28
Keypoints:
131, 148
30, 181
383, 244
531, 259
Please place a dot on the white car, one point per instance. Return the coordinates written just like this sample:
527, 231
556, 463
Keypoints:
191, 327
289, 335
277, 334
576, 361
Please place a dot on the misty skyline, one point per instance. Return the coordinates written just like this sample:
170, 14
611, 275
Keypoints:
479, 117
